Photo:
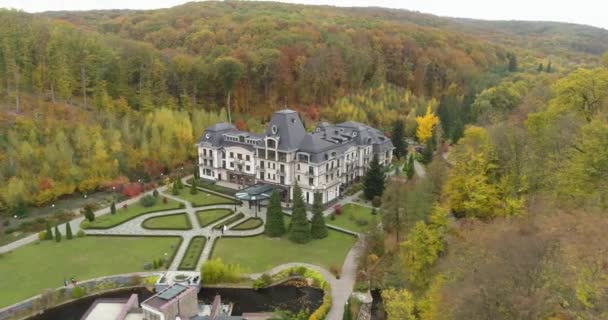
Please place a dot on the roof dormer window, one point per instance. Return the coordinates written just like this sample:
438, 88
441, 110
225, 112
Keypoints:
274, 129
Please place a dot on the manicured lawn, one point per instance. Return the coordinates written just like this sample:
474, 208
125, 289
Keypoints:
132, 211
351, 214
29, 270
248, 224
229, 221
178, 221
193, 253
202, 198
207, 217
260, 253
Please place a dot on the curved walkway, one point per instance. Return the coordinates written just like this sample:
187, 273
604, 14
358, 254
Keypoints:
340, 288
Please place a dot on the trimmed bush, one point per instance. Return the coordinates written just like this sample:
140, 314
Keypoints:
42, 235
89, 214
376, 201
78, 292
113, 208
155, 193
147, 201
264, 281
80, 234
57, 234
68, 231
215, 271
48, 235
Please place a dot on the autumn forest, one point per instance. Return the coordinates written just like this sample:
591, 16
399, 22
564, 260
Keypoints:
510, 221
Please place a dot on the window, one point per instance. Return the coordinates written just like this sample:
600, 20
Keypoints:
298, 166
247, 168
327, 167
271, 143
204, 152
211, 153
261, 175
247, 158
262, 164
282, 168
232, 165
298, 178
231, 154
240, 156
269, 176
268, 165
311, 181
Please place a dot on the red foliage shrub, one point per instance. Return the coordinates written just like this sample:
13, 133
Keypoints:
45, 183
153, 168
165, 200
240, 124
131, 190
338, 209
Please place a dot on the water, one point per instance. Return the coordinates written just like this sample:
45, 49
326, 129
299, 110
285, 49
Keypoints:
284, 297
287, 297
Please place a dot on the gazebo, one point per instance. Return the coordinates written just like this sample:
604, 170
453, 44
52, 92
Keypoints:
256, 193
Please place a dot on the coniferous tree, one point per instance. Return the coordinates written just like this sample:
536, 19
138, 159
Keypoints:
180, 184
374, 180
57, 234
113, 208
512, 62
20, 209
68, 231
549, 70
410, 167
275, 226
197, 173
318, 229
540, 67
49, 232
89, 214
427, 153
193, 188
175, 189
347, 313
398, 140
300, 228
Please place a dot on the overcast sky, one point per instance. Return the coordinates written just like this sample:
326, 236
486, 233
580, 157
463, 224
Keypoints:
591, 12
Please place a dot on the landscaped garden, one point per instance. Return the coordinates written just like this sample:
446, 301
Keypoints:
131, 211
207, 217
353, 217
202, 198
30, 269
193, 253
229, 221
261, 253
177, 221
248, 224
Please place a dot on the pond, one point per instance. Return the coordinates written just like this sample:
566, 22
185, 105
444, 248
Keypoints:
286, 296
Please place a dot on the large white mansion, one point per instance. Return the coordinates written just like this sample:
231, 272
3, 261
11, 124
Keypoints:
324, 160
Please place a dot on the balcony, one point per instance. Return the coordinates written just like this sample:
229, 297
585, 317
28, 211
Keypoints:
260, 169
281, 173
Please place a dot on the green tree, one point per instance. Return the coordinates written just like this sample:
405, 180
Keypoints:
229, 70
318, 229
374, 179
299, 232
549, 67
347, 313
193, 188
427, 152
512, 58
89, 214
57, 234
398, 139
20, 210
410, 167
113, 207
68, 231
275, 226
49, 232
540, 67
197, 173
175, 189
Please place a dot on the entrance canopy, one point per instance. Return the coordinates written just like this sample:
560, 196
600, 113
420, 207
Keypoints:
258, 191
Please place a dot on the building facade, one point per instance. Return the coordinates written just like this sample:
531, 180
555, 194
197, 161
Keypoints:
325, 160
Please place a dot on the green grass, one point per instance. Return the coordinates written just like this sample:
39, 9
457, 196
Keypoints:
207, 217
230, 221
351, 213
132, 211
260, 253
193, 253
177, 221
29, 270
202, 198
248, 224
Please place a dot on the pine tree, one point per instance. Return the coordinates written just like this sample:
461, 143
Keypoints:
175, 189
89, 214
374, 180
20, 209
318, 229
57, 234
540, 67
549, 69
347, 313
410, 167
197, 173
427, 153
275, 226
49, 232
300, 229
180, 185
512, 62
398, 139
68, 231
113, 208
193, 188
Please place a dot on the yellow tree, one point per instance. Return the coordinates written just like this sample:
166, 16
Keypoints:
426, 124
399, 304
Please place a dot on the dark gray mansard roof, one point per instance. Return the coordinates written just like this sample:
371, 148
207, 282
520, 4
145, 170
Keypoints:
287, 126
